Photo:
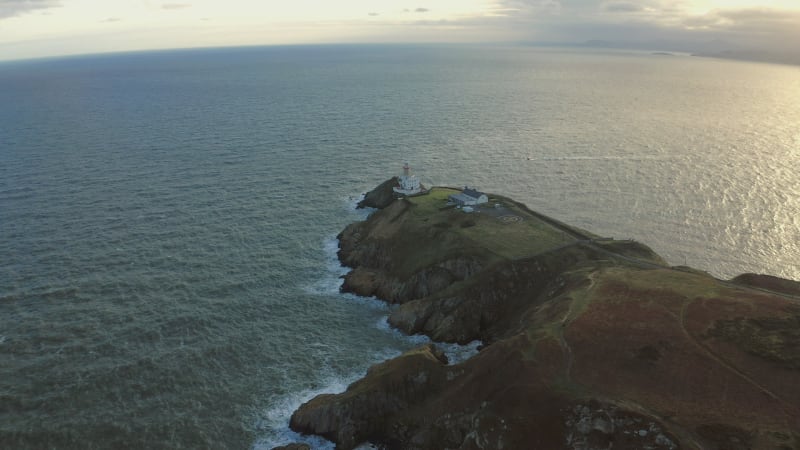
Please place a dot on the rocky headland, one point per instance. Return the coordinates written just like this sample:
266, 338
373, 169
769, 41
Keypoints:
588, 343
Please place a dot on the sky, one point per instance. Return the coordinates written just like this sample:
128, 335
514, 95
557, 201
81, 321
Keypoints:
766, 29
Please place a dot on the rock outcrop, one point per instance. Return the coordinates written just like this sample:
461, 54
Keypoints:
588, 343
366, 410
372, 248
381, 196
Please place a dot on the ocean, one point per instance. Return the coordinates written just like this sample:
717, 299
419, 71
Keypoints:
168, 220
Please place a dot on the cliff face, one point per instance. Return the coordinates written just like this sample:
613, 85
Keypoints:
381, 196
588, 344
427, 264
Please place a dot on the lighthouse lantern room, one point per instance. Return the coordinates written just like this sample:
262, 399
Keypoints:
408, 184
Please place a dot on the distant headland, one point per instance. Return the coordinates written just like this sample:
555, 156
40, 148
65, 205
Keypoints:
588, 342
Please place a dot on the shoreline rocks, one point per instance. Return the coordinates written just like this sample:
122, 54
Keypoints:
586, 345
381, 196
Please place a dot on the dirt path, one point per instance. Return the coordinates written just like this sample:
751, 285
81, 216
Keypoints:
790, 408
562, 341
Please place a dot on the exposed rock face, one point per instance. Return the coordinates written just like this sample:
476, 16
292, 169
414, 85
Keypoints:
491, 307
372, 248
594, 425
417, 402
587, 346
365, 411
381, 196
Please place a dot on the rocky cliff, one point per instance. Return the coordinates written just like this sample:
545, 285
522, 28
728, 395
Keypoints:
381, 196
588, 342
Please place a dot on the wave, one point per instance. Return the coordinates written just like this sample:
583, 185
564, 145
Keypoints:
456, 353
330, 282
351, 206
273, 422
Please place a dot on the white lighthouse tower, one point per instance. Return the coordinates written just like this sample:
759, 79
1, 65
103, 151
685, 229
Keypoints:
408, 184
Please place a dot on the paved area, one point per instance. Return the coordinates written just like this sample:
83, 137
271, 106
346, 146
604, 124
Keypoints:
510, 218
500, 213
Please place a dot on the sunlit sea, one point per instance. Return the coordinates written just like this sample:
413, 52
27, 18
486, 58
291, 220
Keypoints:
168, 276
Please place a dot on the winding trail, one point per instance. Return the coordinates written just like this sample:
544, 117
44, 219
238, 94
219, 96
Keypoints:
582, 239
788, 407
562, 341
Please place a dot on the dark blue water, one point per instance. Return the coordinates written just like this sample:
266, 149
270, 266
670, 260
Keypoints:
167, 219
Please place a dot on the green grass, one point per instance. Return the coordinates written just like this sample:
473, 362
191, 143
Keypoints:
528, 237
687, 284
430, 204
515, 240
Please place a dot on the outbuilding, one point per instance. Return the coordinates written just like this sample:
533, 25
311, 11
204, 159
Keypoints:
469, 197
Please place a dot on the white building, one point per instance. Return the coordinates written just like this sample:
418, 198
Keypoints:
408, 184
469, 197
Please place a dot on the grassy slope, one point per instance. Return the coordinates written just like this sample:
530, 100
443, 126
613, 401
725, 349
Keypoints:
607, 321
666, 340
671, 342
511, 240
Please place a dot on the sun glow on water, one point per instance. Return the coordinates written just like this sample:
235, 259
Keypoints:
169, 266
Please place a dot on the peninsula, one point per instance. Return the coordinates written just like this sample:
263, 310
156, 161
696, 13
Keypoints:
588, 342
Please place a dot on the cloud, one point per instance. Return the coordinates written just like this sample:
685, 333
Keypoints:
756, 18
622, 7
176, 5
111, 19
12, 8
753, 27
614, 20
373, 14
673, 25
417, 10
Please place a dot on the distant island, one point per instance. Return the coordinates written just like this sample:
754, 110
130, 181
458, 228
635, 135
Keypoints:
588, 342
774, 57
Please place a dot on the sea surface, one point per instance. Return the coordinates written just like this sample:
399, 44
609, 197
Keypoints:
168, 276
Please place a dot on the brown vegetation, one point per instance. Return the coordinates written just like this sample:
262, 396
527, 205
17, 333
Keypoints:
587, 344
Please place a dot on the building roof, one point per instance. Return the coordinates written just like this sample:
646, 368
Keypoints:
461, 198
472, 193
468, 196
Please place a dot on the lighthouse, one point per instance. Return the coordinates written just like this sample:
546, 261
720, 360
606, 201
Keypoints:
407, 184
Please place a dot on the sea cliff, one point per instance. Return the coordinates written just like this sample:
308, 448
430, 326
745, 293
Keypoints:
587, 342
